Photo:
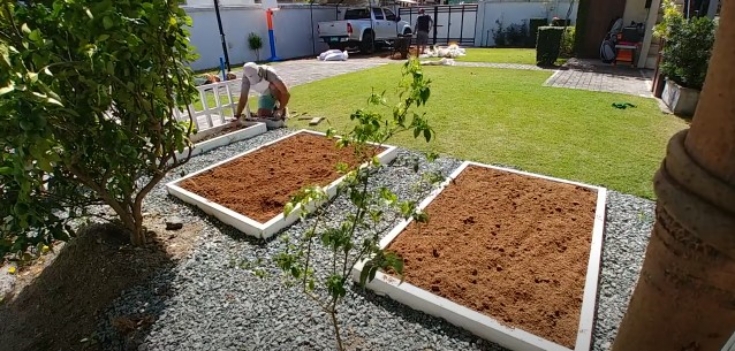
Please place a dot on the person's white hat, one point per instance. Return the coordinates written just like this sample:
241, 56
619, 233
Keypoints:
250, 72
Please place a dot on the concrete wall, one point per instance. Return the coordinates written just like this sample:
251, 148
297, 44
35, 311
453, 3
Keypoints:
636, 11
210, 3
296, 33
516, 12
292, 28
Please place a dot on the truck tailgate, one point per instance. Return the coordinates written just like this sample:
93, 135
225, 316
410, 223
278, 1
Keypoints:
333, 29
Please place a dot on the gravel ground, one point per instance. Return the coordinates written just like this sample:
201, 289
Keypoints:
211, 302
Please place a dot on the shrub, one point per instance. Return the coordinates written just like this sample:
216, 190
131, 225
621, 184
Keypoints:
255, 42
567, 42
515, 35
87, 93
688, 47
547, 47
358, 236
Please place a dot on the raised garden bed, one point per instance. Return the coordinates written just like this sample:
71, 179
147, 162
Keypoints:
222, 135
249, 191
512, 257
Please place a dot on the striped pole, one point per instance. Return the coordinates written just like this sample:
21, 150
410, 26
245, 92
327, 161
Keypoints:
271, 38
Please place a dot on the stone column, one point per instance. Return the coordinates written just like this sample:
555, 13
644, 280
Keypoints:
685, 297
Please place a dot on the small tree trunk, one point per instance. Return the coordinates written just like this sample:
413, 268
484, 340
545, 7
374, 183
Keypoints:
337, 336
137, 234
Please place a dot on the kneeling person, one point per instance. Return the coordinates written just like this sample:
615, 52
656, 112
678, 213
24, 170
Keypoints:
274, 94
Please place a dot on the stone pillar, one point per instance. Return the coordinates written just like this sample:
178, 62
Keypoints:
685, 297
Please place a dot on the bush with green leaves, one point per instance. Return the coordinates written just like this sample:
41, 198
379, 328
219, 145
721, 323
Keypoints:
375, 210
567, 42
688, 46
87, 93
255, 42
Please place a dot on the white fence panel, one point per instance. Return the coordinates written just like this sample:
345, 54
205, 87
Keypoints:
213, 115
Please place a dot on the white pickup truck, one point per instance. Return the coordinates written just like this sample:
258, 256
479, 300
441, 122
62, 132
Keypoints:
363, 27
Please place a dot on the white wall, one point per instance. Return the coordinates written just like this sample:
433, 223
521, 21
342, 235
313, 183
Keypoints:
636, 11
210, 3
292, 32
515, 12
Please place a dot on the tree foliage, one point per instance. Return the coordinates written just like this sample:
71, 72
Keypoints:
358, 236
87, 90
688, 46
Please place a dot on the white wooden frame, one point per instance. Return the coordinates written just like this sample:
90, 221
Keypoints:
244, 223
221, 113
481, 324
251, 130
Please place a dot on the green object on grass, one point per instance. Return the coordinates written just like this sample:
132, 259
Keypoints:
622, 105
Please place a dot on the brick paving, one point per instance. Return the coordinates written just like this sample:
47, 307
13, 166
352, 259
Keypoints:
499, 65
593, 76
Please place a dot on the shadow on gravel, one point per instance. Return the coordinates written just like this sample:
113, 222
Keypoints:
58, 303
231, 231
428, 322
224, 228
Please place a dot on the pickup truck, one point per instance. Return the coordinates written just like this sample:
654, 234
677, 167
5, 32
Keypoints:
363, 27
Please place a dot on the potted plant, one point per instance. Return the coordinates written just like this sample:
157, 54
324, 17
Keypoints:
685, 58
255, 43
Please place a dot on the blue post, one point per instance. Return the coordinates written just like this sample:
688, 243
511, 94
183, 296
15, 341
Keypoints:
272, 41
271, 38
222, 68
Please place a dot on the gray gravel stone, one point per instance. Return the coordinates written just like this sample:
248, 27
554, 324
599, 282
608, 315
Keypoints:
212, 301
174, 223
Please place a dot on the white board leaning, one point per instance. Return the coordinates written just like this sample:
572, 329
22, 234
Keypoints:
481, 324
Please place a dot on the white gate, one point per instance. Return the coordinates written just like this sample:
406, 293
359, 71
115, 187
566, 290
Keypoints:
216, 106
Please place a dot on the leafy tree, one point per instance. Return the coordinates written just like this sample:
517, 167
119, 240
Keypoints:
87, 90
358, 236
688, 45
255, 42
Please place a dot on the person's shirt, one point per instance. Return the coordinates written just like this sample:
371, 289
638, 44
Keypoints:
423, 23
265, 73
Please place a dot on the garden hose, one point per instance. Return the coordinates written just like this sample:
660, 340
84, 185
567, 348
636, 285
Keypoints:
622, 105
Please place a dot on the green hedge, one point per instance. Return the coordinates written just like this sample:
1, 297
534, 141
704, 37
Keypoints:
547, 45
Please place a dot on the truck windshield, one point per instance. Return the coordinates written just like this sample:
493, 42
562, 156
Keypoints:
355, 14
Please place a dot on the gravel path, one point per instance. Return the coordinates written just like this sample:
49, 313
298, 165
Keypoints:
297, 72
210, 302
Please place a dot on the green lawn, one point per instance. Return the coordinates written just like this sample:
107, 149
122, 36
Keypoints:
507, 117
499, 55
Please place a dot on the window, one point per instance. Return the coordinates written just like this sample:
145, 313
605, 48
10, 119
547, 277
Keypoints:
378, 13
356, 14
389, 15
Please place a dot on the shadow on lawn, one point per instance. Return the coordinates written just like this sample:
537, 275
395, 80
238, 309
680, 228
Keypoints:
60, 305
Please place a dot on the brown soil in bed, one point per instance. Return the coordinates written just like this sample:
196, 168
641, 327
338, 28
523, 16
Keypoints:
260, 183
509, 246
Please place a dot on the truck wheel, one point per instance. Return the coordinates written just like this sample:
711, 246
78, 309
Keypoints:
367, 46
407, 32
